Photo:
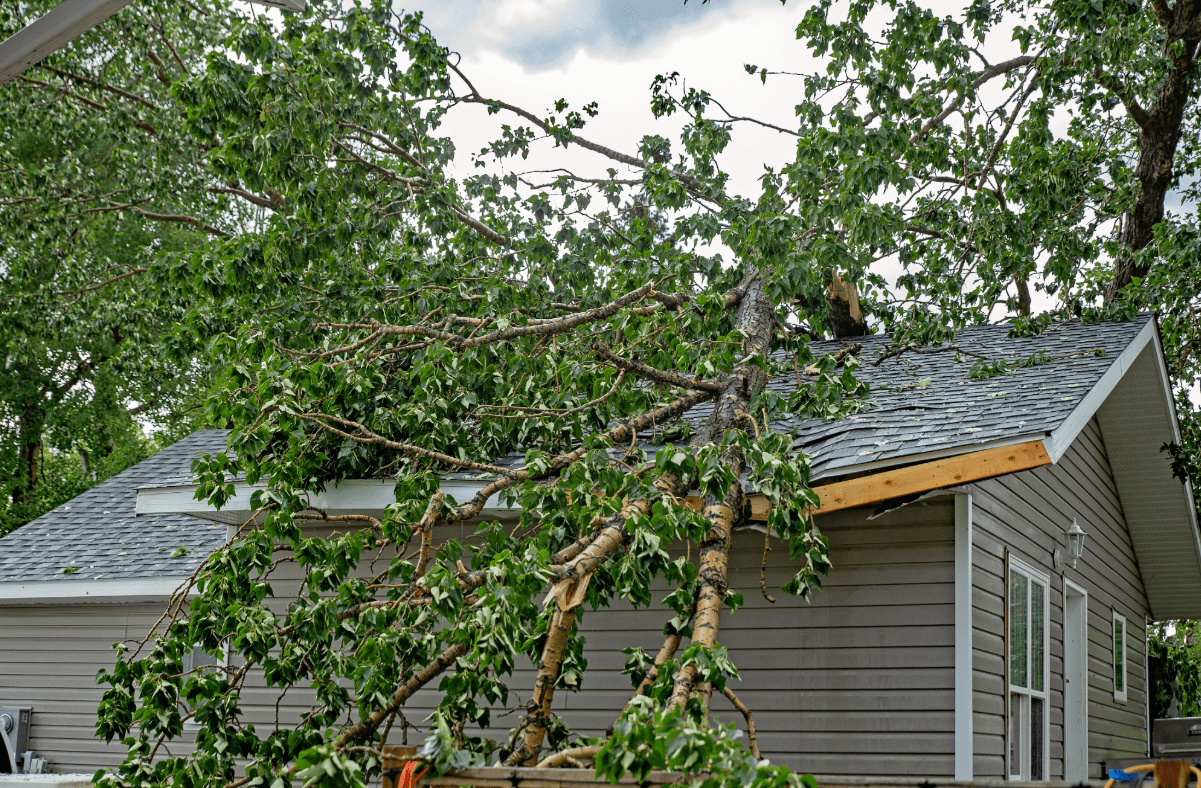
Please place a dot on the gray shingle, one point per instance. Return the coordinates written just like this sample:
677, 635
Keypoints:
952, 411
98, 533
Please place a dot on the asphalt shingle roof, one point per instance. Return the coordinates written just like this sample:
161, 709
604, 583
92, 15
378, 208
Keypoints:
918, 403
97, 533
924, 403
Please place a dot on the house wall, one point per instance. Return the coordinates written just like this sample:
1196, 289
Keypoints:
49, 656
1027, 513
861, 680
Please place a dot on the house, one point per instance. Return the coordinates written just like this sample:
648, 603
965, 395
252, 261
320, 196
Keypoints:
957, 635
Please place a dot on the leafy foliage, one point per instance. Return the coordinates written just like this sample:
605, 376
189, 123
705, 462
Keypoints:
1176, 650
99, 191
371, 312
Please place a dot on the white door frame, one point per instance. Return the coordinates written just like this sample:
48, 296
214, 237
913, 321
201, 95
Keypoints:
1075, 681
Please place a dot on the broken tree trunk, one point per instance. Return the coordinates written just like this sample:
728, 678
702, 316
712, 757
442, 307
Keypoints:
756, 320
846, 318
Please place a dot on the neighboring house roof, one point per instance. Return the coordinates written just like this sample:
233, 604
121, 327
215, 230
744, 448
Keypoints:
97, 532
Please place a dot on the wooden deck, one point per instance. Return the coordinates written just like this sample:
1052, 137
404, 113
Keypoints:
507, 777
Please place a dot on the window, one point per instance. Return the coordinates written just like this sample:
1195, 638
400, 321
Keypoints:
1028, 676
203, 662
1119, 657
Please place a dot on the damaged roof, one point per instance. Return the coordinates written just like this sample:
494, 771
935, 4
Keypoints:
921, 404
926, 403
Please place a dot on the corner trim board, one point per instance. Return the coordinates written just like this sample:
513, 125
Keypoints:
964, 735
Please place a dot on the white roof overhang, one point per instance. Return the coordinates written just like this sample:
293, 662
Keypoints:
115, 591
1137, 418
352, 496
66, 22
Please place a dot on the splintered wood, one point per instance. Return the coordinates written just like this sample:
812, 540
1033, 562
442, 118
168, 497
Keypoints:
913, 479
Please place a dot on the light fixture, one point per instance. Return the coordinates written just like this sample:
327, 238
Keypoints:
1075, 540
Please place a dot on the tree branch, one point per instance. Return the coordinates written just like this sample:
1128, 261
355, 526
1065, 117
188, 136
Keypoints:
651, 373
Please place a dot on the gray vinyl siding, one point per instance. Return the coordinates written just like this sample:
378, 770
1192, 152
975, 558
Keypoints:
49, 656
859, 681
1028, 513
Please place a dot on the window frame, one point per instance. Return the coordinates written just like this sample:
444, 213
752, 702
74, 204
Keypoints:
221, 664
1026, 695
1122, 695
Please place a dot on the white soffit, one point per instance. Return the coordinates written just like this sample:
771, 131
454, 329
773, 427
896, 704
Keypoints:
122, 591
66, 22
352, 496
1137, 419
63, 24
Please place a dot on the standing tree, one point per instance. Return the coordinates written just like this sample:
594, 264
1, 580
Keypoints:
395, 321
102, 196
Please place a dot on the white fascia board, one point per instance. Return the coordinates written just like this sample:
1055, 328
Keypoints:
46, 34
1068, 430
351, 495
52, 592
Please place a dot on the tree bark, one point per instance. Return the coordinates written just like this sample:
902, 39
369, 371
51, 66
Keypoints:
29, 451
756, 319
1159, 134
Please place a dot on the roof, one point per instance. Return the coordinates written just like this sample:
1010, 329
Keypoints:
97, 532
925, 404
922, 405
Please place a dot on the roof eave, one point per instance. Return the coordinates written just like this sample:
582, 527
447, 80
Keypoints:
71, 591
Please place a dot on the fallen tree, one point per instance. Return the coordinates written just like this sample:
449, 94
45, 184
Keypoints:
575, 343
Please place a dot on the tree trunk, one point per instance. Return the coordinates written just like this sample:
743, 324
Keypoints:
29, 452
756, 319
1159, 134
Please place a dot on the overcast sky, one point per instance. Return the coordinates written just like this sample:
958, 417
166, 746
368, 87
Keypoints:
533, 52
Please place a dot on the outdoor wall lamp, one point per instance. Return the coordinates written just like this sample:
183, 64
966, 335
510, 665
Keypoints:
1074, 537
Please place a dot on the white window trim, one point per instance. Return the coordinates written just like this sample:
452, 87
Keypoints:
1083, 754
191, 724
1121, 696
1043, 579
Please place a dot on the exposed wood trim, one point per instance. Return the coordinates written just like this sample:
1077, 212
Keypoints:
927, 476
915, 479
927, 456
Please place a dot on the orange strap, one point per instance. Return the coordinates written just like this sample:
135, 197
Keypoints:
407, 778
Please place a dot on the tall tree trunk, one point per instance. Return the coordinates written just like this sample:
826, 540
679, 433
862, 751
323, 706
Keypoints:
29, 452
1159, 134
756, 319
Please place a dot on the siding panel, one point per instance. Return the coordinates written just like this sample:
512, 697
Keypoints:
863, 675
1027, 513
